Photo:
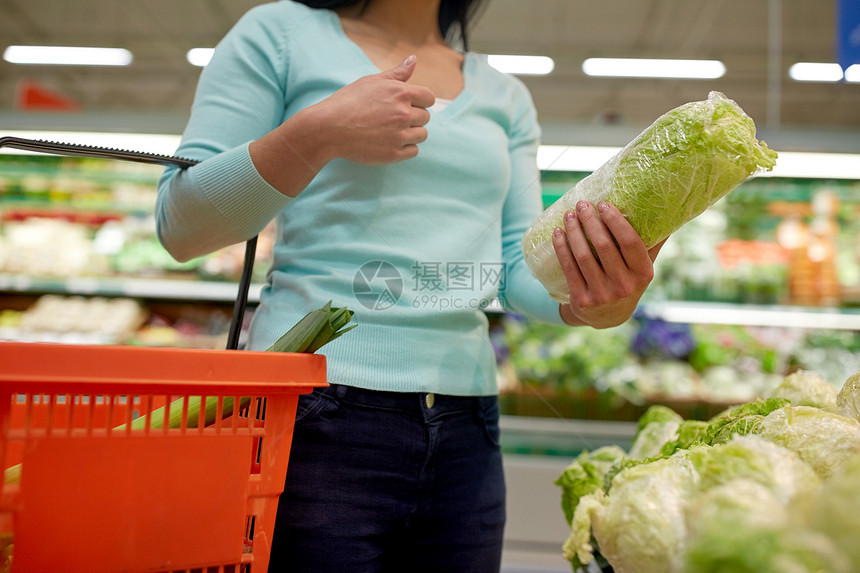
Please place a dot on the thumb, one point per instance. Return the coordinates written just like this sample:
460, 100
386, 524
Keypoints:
402, 71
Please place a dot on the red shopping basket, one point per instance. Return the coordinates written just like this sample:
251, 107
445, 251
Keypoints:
86, 490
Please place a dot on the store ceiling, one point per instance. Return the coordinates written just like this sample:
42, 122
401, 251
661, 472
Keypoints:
161, 82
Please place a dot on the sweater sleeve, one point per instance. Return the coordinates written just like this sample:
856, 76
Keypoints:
523, 294
240, 96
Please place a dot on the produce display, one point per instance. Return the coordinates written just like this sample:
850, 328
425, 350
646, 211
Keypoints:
698, 369
85, 217
683, 163
766, 486
75, 320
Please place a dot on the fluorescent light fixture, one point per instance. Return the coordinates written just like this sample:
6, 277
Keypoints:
653, 68
804, 165
67, 56
199, 56
816, 165
710, 313
522, 65
852, 74
815, 72
573, 158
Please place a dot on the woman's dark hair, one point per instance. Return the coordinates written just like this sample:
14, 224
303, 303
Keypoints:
451, 13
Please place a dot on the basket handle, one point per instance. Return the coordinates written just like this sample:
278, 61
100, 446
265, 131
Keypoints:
153, 158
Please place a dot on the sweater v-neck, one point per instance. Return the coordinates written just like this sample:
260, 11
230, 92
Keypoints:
359, 54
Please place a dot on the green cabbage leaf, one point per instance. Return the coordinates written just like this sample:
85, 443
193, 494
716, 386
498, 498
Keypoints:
658, 425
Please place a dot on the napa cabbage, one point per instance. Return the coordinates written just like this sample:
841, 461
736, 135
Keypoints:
821, 438
676, 168
805, 388
769, 486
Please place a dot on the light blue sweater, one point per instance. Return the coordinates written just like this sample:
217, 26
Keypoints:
415, 248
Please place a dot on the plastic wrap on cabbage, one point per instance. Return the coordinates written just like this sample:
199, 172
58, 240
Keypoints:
764, 487
822, 439
679, 166
804, 388
848, 399
742, 527
836, 510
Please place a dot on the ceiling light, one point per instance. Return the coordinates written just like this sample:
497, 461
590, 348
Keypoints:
852, 74
816, 165
67, 56
199, 56
815, 72
573, 158
650, 68
522, 65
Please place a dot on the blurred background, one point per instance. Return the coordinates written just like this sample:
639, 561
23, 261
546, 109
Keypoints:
765, 283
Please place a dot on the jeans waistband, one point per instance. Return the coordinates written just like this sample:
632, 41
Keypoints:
426, 402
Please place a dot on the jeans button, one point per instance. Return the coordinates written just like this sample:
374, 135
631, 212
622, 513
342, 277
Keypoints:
430, 399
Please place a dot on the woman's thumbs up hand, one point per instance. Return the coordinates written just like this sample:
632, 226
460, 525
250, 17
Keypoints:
378, 119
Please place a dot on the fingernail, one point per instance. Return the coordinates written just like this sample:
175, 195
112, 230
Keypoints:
569, 216
582, 206
602, 206
558, 232
408, 61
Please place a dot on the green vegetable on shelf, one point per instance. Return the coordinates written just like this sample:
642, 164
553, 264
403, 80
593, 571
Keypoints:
767, 486
683, 163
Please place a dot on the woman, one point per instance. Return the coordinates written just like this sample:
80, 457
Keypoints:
400, 170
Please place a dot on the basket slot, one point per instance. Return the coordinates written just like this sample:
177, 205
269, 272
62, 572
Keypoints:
250, 521
184, 413
200, 422
147, 401
49, 423
257, 454
91, 406
165, 426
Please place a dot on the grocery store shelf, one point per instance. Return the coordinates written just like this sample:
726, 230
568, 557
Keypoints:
158, 289
753, 315
225, 292
561, 436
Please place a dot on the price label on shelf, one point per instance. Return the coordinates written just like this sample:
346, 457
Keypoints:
15, 282
83, 285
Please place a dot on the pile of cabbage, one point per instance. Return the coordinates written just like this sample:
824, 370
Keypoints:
772, 485
683, 163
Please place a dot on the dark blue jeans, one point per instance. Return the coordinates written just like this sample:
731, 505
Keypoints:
391, 482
